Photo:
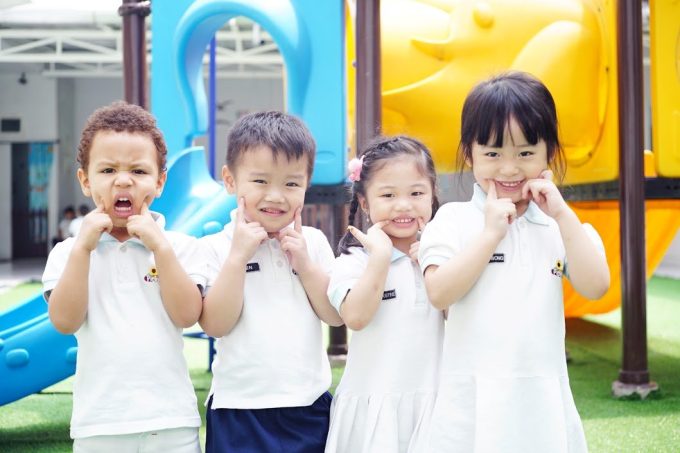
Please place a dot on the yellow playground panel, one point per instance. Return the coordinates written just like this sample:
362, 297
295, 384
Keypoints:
435, 51
664, 37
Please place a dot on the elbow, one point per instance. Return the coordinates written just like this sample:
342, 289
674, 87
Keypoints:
599, 289
356, 323
439, 301
65, 326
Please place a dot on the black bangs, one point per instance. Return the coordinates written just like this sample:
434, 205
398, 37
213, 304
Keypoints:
490, 106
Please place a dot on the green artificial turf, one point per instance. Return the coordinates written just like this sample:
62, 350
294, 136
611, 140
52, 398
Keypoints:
39, 423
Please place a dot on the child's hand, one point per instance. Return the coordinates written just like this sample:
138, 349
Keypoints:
545, 194
498, 212
293, 243
94, 224
375, 241
247, 235
144, 227
415, 247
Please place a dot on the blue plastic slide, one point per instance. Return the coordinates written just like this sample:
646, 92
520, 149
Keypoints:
33, 355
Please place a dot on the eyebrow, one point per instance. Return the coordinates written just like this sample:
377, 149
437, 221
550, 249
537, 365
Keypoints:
263, 174
392, 186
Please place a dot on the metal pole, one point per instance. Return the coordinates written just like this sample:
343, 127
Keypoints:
368, 88
633, 376
134, 50
212, 96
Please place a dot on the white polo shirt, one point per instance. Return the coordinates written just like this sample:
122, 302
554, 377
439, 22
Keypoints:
131, 375
504, 383
274, 356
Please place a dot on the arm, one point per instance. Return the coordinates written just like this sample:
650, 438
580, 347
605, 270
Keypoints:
181, 298
588, 269
314, 280
67, 305
363, 300
223, 304
180, 295
68, 300
449, 282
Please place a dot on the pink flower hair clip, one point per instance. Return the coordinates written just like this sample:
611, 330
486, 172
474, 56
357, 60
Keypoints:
354, 169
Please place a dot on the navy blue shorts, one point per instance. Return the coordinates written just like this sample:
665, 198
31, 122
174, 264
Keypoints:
277, 430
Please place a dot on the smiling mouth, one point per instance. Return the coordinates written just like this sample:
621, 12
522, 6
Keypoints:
403, 221
273, 211
509, 185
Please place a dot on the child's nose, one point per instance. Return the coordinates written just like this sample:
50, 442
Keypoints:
508, 168
123, 179
273, 194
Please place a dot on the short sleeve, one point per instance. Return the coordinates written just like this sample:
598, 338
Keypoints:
191, 257
597, 240
347, 269
321, 251
56, 262
439, 241
210, 250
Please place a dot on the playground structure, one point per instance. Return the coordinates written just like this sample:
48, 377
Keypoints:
449, 46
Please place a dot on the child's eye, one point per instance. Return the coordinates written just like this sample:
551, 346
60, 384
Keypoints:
387, 195
139, 172
491, 154
526, 153
107, 170
417, 194
259, 181
292, 184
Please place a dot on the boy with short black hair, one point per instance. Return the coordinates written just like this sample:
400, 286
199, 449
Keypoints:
267, 280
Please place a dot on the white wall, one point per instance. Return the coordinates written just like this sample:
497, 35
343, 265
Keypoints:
35, 103
5, 201
238, 97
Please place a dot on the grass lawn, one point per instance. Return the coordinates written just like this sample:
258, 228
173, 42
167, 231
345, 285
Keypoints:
39, 423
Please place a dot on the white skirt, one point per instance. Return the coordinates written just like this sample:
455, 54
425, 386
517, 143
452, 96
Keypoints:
369, 423
515, 414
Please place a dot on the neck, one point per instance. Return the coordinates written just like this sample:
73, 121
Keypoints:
521, 207
403, 244
120, 233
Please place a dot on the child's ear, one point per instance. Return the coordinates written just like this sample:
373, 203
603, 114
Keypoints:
468, 162
162, 179
84, 182
229, 180
363, 204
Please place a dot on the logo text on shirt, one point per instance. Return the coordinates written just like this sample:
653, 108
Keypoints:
389, 294
497, 258
253, 267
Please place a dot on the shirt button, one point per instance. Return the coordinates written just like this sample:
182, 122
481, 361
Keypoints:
279, 263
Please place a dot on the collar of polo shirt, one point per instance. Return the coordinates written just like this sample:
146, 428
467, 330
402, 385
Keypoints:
533, 213
158, 218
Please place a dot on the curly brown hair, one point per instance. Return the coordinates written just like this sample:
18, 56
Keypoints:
120, 116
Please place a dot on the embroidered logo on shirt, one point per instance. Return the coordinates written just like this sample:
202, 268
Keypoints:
390, 294
558, 269
497, 258
152, 275
253, 267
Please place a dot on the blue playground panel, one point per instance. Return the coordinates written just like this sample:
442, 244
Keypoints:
33, 355
309, 34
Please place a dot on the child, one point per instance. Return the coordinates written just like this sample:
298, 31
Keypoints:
388, 389
120, 288
267, 280
497, 262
